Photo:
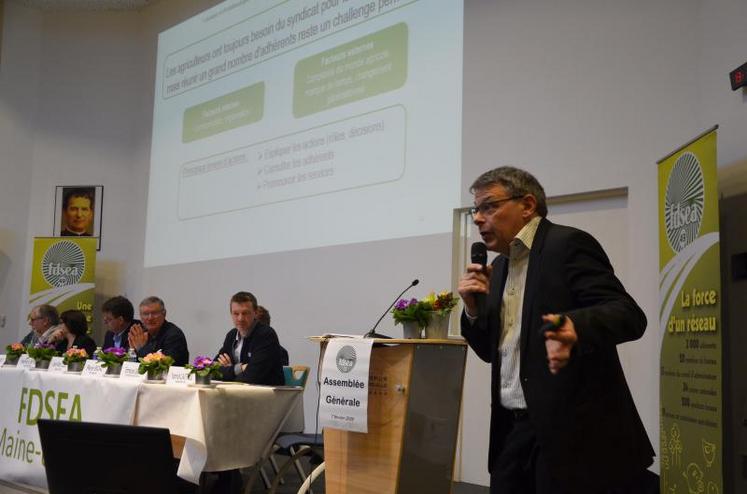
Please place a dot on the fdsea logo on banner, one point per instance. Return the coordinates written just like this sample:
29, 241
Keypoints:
63, 264
54, 405
35, 404
346, 359
683, 209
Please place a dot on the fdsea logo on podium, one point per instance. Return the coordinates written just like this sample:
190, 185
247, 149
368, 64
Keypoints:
346, 359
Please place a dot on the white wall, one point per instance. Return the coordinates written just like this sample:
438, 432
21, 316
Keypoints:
87, 128
19, 79
587, 94
722, 49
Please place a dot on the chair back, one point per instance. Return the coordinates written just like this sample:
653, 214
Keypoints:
111, 451
296, 375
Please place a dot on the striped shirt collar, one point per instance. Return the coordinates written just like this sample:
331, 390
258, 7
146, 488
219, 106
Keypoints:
523, 240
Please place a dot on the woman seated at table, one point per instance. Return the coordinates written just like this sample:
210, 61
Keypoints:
73, 332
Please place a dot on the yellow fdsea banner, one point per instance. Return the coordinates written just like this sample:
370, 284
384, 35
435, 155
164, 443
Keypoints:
691, 446
63, 273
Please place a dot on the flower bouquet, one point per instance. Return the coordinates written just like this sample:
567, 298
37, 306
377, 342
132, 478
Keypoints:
42, 353
74, 358
204, 368
112, 359
412, 310
441, 305
431, 313
13, 352
156, 365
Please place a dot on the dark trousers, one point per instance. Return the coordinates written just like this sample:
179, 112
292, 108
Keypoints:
521, 468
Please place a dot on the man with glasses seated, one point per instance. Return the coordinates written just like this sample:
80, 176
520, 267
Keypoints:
118, 314
251, 352
43, 320
156, 333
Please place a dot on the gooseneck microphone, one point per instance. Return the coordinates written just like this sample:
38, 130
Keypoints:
479, 255
372, 333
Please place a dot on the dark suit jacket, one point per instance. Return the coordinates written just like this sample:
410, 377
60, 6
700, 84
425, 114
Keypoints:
586, 422
261, 352
109, 337
171, 341
67, 233
81, 341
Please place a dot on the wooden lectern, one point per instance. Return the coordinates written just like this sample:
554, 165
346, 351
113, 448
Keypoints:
415, 395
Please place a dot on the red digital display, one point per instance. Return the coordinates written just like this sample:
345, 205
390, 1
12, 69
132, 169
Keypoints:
738, 77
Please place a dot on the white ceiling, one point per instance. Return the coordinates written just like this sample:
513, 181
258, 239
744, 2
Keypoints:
81, 5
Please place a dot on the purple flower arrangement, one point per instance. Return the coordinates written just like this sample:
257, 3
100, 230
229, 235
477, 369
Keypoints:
411, 310
42, 351
112, 356
204, 366
421, 311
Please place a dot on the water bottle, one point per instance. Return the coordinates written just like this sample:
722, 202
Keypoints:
131, 355
96, 353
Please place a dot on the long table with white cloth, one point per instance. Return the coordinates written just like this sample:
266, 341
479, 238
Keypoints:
225, 427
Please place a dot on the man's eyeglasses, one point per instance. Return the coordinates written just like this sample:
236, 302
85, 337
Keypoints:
34, 319
148, 315
489, 207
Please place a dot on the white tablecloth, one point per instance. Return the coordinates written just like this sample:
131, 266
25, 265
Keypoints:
228, 426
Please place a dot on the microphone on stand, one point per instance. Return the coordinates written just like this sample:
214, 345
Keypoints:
372, 333
479, 255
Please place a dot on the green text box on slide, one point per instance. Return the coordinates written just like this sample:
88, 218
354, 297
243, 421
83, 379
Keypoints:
357, 70
230, 111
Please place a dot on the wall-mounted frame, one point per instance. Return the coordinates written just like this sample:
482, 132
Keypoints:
77, 211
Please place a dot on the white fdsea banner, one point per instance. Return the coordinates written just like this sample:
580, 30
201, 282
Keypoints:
28, 396
343, 401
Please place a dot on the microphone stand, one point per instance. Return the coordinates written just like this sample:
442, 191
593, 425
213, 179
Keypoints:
373, 333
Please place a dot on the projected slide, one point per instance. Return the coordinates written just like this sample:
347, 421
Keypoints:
288, 125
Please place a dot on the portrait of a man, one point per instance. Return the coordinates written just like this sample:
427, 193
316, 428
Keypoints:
77, 212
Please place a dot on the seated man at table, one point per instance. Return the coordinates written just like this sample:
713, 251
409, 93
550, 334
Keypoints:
251, 351
43, 320
118, 314
156, 333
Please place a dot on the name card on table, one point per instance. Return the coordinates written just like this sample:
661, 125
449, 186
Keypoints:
178, 375
26, 362
56, 365
93, 368
129, 371
2, 359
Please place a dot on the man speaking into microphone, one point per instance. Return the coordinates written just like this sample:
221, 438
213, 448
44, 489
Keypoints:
563, 420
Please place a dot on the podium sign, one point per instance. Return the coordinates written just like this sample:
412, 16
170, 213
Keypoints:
343, 400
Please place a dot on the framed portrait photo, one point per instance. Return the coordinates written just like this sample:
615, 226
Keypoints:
77, 211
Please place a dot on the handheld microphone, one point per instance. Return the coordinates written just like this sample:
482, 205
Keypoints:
479, 255
372, 333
